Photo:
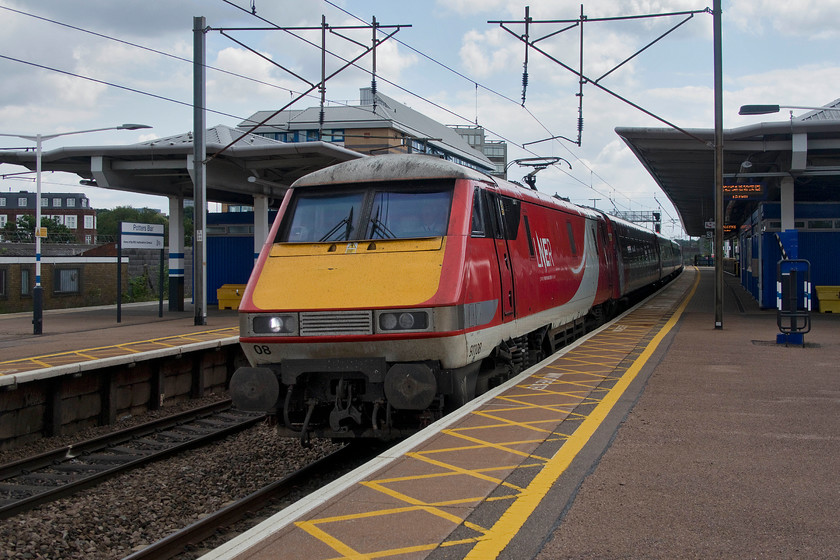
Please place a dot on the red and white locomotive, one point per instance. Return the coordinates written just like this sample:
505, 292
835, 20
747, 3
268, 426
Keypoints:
393, 289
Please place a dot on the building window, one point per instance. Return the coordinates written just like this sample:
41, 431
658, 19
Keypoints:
71, 203
57, 203
3, 220
89, 222
71, 221
2, 201
25, 282
22, 202
819, 224
45, 202
332, 135
3, 283
84, 203
67, 280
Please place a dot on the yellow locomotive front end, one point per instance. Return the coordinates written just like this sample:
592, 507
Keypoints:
352, 305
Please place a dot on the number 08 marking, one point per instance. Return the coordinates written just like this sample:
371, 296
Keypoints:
262, 349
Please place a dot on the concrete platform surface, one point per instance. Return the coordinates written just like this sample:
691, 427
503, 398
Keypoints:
732, 451
68, 330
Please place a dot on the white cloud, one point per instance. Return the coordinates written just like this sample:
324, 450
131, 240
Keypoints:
485, 53
814, 19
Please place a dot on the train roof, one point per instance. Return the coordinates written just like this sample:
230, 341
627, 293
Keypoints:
391, 167
406, 167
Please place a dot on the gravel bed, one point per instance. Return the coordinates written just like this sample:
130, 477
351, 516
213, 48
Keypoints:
54, 442
117, 517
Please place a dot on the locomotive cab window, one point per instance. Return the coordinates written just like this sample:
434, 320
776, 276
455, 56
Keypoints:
374, 211
478, 221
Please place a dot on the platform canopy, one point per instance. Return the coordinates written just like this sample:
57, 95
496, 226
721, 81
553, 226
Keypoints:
756, 157
163, 166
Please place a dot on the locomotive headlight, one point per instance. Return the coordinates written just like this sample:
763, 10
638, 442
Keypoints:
409, 320
275, 324
388, 321
406, 320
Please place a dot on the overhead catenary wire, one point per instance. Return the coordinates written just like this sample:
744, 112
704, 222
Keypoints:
477, 85
262, 82
437, 105
502, 96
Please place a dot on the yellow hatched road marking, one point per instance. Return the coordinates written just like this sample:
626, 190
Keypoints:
498, 537
581, 388
87, 354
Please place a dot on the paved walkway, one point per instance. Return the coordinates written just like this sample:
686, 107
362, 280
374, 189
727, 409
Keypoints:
732, 451
77, 330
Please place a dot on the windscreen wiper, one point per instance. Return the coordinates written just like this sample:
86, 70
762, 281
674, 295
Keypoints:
348, 221
383, 229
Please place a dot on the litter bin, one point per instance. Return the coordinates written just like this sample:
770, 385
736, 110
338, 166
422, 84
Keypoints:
829, 298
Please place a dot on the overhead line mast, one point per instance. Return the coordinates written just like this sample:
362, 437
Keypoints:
531, 43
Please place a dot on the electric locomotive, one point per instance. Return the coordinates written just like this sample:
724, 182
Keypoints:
393, 289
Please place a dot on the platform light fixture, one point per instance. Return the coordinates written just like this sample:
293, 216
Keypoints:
37, 293
768, 109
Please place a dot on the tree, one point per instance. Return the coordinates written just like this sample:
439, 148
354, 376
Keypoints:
108, 221
23, 230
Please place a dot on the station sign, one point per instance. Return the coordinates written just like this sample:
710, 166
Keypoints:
747, 191
727, 228
141, 236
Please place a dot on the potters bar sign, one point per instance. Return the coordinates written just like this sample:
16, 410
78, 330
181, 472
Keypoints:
141, 236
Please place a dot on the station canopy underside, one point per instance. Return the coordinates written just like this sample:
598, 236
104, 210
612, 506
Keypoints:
164, 166
806, 150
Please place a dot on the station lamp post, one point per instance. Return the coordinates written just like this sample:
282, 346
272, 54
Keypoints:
37, 294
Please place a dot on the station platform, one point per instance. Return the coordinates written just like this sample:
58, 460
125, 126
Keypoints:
79, 338
657, 436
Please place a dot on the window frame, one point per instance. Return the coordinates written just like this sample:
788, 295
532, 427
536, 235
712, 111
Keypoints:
58, 284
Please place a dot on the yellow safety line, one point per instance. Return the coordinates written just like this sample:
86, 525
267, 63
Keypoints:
123, 346
489, 542
500, 535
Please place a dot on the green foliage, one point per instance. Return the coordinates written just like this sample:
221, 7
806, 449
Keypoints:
108, 221
23, 230
140, 288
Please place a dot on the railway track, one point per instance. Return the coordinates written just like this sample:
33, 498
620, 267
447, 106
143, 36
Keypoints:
32, 481
177, 543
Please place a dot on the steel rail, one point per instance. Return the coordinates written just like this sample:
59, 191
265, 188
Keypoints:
117, 455
175, 543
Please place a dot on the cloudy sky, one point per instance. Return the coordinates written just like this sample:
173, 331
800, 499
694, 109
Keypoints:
68, 65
